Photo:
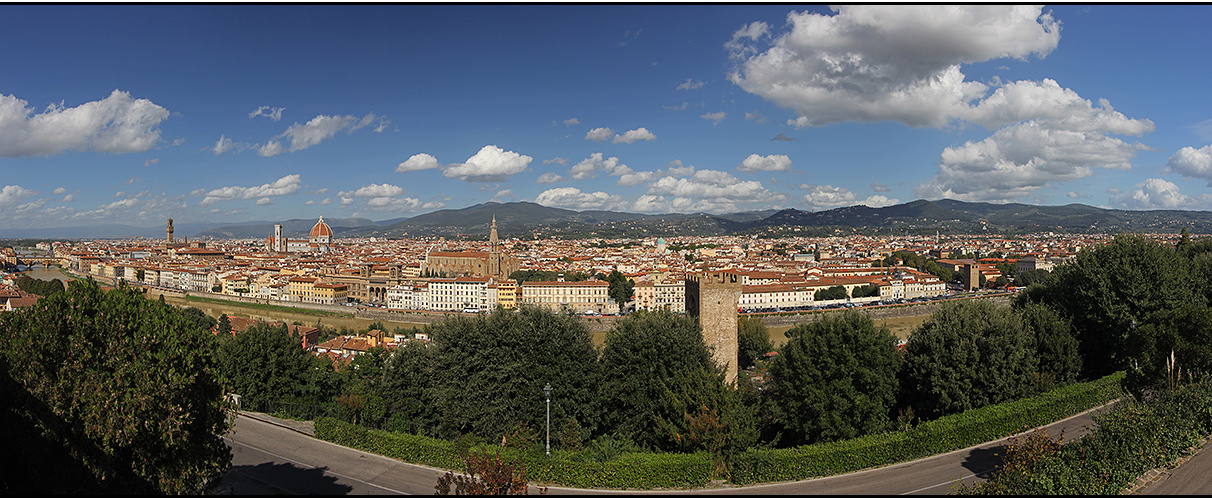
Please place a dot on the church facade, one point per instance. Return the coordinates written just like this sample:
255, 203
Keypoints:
494, 263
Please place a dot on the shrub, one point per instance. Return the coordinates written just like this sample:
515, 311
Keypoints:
937, 436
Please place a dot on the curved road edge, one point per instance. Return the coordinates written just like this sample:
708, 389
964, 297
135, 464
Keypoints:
272, 455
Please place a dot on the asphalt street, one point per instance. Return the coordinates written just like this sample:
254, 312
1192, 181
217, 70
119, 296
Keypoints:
269, 459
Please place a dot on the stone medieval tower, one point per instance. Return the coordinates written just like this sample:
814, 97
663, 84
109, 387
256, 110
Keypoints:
494, 252
169, 230
711, 298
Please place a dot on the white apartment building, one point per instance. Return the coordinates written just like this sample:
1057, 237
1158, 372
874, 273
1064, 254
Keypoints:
772, 296
458, 294
409, 297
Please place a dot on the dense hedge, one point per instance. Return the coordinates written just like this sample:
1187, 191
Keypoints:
629, 470
674, 470
945, 434
1129, 441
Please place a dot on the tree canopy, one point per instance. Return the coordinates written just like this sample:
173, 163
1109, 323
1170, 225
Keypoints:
489, 371
127, 384
835, 379
621, 287
265, 362
753, 340
967, 355
642, 356
1106, 290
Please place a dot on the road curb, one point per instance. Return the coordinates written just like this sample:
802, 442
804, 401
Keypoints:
1157, 474
258, 417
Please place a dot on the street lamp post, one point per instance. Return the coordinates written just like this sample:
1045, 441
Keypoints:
547, 392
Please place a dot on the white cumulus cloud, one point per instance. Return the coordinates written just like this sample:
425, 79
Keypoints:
1020, 159
587, 168
116, 124
12, 195
772, 163
419, 161
1159, 194
599, 134
271, 148
691, 84
630, 136
825, 197
886, 62
286, 185
1192, 163
573, 198
315, 131
714, 118
549, 178
490, 164
374, 190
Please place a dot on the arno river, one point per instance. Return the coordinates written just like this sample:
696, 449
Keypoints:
234, 309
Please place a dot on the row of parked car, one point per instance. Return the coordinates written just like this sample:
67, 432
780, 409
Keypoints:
839, 305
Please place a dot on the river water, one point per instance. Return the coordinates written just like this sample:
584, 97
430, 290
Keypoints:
777, 333
235, 309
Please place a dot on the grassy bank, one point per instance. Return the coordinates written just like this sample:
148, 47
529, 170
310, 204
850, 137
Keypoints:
674, 470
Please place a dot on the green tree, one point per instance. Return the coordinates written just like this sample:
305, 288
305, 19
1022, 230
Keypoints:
1055, 346
406, 388
641, 356
532, 275
969, 354
1171, 347
835, 379
127, 385
1033, 276
753, 340
620, 289
39, 287
264, 361
832, 293
198, 319
489, 371
1106, 290
866, 291
224, 326
700, 411
1008, 270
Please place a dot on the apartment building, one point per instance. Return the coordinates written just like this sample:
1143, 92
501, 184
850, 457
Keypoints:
668, 295
459, 294
579, 296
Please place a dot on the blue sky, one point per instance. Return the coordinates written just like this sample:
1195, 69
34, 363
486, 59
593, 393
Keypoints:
230, 113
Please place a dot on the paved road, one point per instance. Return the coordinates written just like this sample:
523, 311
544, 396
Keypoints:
269, 459
1191, 478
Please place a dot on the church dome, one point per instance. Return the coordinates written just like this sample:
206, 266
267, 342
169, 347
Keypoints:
320, 229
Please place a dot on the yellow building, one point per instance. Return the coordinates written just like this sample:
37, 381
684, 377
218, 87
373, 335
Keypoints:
311, 289
507, 294
330, 293
579, 296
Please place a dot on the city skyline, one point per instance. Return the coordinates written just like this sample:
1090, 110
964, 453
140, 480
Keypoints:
236, 113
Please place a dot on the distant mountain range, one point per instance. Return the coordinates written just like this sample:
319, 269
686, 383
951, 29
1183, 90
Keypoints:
525, 220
